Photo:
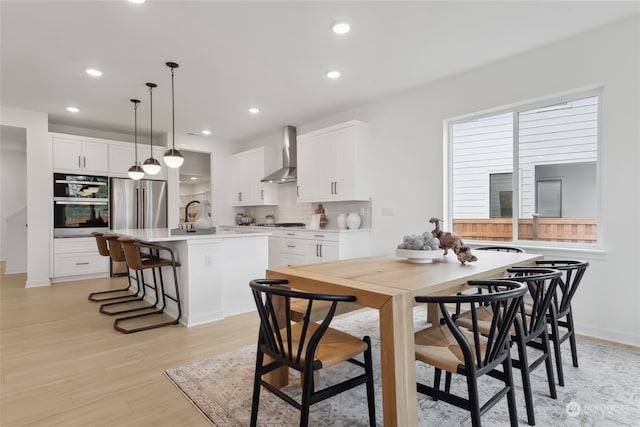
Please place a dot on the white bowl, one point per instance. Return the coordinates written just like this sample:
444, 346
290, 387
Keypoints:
419, 257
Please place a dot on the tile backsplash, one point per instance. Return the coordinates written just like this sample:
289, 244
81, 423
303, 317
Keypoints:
289, 210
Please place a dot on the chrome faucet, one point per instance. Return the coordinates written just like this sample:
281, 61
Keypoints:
186, 209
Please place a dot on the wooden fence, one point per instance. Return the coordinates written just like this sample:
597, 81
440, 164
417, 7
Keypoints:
577, 230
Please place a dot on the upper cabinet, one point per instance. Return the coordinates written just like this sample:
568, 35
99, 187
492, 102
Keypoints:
78, 155
248, 168
73, 153
333, 164
122, 156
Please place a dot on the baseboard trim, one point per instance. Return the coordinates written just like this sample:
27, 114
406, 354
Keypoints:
37, 283
608, 335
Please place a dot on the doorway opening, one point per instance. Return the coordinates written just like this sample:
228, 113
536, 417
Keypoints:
13, 198
195, 185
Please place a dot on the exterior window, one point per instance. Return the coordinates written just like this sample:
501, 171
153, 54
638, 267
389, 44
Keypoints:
550, 150
549, 198
501, 195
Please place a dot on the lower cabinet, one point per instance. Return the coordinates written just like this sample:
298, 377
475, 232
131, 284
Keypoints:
289, 247
320, 251
298, 247
75, 258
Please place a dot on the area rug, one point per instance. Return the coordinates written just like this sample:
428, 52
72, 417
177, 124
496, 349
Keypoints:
603, 391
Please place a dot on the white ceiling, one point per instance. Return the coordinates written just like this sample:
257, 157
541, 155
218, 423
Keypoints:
274, 55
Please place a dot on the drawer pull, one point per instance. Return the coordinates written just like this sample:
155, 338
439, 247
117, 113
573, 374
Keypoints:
291, 246
291, 234
318, 235
82, 263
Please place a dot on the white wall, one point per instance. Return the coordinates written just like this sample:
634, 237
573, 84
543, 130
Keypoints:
13, 197
39, 191
407, 147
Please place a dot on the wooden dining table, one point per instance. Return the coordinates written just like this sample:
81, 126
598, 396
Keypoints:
389, 284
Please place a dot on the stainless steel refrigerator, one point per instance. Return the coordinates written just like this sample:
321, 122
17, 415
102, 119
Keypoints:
136, 204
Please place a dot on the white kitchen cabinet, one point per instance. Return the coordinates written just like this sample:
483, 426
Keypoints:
333, 164
78, 155
319, 251
77, 258
121, 158
298, 247
248, 168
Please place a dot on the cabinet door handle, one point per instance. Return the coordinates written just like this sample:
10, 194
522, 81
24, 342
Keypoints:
79, 164
321, 252
240, 196
261, 194
297, 191
317, 251
84, 160
331, 187
335, 187
82, 263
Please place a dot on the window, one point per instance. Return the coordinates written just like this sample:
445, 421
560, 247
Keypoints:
501, 195
527, 174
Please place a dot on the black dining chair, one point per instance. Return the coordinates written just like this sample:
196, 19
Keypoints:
305, 346
470, 353
500, 249
560, 313
529, 328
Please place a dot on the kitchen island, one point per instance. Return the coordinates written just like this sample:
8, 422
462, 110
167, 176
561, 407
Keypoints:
215, 270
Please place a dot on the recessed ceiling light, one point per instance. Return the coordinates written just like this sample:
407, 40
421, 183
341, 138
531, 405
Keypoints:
73, 109
341, 28
333, 74
254, 110
206, 132
136, 1
193, 178
93, 72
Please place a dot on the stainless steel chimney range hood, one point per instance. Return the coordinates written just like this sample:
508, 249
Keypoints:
288, 172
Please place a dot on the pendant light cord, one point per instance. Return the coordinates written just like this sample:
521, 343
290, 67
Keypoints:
135, 129
151, 118
173, 115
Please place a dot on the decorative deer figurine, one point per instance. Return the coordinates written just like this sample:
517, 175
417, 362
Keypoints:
453, 242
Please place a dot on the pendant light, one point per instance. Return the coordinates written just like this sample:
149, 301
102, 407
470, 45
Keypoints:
151, 165
173, 157
135, 171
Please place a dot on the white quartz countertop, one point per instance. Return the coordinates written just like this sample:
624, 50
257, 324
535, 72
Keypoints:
267, 229
164, 234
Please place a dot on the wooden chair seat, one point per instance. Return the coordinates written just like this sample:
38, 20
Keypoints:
438, 347
334, 347
485, 316
320, 309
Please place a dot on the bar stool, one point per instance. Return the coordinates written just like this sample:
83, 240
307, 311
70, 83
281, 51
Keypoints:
132, 254
123, 304
102, 240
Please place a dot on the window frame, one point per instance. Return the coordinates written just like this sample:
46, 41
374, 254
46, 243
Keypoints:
515, 109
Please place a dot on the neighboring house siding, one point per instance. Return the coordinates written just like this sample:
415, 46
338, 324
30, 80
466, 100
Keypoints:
554, 135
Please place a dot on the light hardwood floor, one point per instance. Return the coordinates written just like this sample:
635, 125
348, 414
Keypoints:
63, 364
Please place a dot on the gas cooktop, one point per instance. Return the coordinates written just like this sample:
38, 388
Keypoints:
281, 224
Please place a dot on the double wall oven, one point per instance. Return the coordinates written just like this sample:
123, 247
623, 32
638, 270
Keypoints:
80, 204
